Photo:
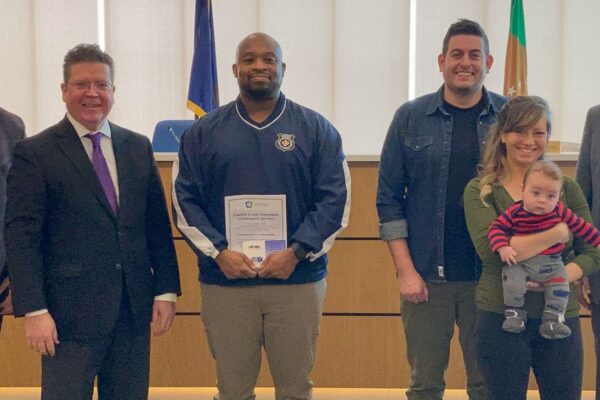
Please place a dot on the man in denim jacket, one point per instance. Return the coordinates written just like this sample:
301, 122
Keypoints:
431, 151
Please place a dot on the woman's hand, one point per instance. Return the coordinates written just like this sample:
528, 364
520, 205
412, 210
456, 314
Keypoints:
574, 272
534, 286
562, 231
583, 292
528, 246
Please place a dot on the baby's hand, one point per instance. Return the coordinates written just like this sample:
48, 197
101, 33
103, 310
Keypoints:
508, 255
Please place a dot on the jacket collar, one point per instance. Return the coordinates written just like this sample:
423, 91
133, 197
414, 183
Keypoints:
275, 115
82, 130
437, 103
72, 148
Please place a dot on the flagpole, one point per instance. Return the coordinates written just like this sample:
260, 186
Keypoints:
515, 67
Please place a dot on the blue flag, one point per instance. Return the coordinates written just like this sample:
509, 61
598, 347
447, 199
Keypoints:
203, 95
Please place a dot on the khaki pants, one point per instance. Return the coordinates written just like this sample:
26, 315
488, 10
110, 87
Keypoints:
284, 319
429, 327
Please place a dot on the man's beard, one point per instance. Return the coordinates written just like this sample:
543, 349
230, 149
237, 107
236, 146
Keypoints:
260, 93
466, 91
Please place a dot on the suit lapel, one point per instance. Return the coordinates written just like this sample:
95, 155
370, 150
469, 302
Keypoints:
124, 165
70, 144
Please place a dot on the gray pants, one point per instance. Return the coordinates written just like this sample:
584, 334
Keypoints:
429, 327
284, 319
546, 269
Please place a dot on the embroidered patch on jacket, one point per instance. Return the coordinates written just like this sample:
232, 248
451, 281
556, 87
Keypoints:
285, 141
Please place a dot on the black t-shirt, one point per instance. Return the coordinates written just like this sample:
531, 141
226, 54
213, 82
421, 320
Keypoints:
461, 262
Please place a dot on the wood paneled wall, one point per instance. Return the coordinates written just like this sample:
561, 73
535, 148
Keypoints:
362, 342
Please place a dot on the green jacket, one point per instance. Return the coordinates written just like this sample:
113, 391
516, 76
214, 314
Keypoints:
489, 291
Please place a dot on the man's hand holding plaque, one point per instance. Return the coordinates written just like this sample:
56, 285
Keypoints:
279, 265
236, 265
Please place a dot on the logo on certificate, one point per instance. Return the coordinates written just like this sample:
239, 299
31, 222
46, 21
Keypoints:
285, 141
258, 250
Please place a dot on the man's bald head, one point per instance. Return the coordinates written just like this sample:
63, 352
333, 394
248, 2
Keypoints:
258, 36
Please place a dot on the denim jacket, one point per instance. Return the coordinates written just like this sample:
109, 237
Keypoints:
413, 175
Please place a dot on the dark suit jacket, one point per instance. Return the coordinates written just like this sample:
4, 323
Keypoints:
588, 177
12, 130
67, 251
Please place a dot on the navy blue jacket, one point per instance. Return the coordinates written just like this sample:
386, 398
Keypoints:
295, 152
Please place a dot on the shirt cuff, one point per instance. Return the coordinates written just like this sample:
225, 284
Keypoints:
215, 251
167, 297
38, 312
392, 230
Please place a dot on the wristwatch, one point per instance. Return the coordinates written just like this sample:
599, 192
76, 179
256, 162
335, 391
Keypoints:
299, 250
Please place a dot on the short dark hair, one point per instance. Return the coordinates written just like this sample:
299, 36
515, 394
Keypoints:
466, 27
86, 53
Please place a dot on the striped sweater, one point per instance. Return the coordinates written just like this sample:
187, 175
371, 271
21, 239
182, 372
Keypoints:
516, 221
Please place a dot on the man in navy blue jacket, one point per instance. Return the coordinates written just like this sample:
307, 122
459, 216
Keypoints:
262, 144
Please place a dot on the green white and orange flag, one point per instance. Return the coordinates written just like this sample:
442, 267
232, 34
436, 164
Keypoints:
515, 68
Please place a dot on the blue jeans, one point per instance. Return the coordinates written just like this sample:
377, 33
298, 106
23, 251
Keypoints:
505, 359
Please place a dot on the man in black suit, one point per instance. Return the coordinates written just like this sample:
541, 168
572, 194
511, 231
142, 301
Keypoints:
12, 130
90, 254
588, 178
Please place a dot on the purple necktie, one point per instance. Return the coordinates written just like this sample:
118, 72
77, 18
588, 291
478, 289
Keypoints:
101, 168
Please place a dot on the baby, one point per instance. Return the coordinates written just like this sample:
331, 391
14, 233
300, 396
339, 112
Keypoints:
538, 210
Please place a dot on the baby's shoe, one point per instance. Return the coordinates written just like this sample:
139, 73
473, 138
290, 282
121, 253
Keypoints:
552, 328
514, 320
